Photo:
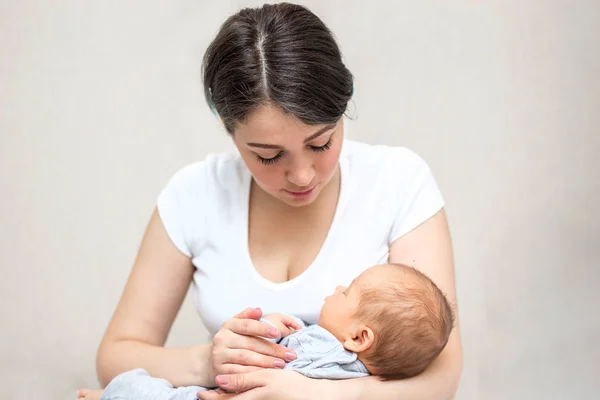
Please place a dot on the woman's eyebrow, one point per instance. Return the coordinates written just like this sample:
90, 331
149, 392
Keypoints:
308, 139
319, 132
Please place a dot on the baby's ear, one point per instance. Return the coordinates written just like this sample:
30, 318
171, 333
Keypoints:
360, 340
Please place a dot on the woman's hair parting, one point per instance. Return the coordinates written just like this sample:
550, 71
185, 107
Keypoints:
278, 54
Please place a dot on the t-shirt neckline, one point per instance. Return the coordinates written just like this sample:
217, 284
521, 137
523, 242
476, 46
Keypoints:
315, 265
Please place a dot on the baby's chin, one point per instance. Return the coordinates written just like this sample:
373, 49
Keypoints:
323, 323
320, 322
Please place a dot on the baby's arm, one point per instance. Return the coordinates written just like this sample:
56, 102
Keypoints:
286, 324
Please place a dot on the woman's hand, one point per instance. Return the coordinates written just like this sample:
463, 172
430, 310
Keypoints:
268, 385
239, 346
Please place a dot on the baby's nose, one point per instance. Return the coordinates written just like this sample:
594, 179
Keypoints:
340, 289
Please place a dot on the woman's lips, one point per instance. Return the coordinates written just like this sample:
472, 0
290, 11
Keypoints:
305, 193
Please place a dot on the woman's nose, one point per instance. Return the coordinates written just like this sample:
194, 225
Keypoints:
301, 174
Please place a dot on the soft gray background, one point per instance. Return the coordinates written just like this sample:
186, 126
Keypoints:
100, 102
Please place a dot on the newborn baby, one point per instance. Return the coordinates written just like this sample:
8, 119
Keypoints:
392, 322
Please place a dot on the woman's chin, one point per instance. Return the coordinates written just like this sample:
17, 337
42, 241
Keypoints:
297, 202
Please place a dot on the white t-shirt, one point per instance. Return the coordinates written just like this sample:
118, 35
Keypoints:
385, 193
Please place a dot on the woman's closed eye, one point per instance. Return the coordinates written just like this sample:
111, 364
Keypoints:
277, 157
325, 147
272, 160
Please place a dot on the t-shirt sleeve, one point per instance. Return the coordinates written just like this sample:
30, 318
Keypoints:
418, 196
179, 205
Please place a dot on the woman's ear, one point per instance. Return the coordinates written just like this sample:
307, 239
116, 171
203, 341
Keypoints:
361, 339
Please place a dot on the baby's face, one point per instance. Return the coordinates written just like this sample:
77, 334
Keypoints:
338, 314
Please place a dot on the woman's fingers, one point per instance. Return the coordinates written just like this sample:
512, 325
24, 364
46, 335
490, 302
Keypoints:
267, 348
244, 382
250, 327
250, 313
256, 352
252, 358
238, 369
218, 394
239, 346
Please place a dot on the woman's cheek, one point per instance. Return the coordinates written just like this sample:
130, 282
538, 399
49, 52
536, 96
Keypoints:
327, 164
267, 177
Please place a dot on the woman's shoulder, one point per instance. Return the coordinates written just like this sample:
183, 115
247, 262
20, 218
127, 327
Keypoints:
221, 170
196, 192
203, 185
402, 190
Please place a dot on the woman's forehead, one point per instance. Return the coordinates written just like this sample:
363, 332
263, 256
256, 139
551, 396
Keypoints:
271, 124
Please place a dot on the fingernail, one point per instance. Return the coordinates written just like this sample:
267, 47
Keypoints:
272, 332
279, 363
289, 356
222, 380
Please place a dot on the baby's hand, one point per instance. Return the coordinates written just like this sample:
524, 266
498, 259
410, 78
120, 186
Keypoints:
284, 323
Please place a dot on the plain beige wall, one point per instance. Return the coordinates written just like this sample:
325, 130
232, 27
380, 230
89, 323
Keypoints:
100, 102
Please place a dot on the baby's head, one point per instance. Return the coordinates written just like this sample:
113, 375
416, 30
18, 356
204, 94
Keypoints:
393, 316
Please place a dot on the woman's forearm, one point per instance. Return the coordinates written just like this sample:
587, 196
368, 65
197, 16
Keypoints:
180, 366
438, 382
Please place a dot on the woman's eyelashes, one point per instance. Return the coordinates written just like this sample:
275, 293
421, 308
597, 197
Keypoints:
325, 147
273, 160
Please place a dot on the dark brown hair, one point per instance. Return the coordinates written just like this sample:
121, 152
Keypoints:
279, 54
411, 319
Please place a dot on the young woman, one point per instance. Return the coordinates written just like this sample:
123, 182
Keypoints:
279, 224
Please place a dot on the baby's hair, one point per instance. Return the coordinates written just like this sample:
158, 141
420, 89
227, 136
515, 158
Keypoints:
412, 321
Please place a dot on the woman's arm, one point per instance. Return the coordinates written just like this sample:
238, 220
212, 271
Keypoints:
135, 337
438, 382
429, 249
